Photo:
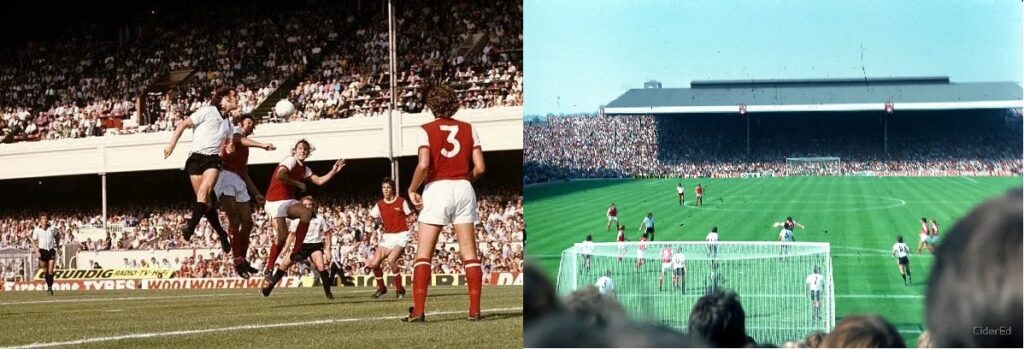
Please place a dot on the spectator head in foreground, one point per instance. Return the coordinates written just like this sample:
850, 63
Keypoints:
814, 339
863, 331
539, 296
974, 292
718, 319
595, 309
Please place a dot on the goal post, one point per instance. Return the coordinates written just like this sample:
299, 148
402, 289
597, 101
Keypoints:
769, 277
814, 166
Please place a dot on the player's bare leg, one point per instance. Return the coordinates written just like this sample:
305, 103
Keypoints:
318, 262
378, 274
396, 272
661, 279
243, 233
421, 270
919, 245
231, 209
202, 185
903, 274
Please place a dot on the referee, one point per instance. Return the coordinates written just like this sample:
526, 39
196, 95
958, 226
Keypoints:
44, 238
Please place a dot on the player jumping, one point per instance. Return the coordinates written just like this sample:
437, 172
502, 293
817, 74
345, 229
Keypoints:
815, 284
281, 204
450, 158
613, 216
902, 254
211, 130
233, 190
44, 238
394, 212
311, 247
587, 248
923, 235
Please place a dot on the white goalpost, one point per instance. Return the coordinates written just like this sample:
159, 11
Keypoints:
769, 277
814, 166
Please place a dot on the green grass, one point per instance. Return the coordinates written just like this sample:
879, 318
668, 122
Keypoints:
351, 320
859, 216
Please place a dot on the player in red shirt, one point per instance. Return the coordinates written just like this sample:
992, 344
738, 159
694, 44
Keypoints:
235, 191
450, 158
640, 247
281, 204
620, 241
699, 190
393, 212
924, 234
666, 264
613, 215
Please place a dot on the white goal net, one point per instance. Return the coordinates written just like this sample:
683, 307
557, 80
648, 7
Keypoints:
770, 278
816, 166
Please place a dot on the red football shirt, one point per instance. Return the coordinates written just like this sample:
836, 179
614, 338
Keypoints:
666, 255
451, 143
238, 161
392, 215
297, 171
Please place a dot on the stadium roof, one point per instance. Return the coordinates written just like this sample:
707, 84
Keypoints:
726, 96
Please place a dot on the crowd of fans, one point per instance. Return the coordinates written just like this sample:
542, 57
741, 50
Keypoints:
597, 146
974, 299
355, 233
73, 87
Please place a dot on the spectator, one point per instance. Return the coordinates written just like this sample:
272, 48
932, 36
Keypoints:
863, 331
718, 318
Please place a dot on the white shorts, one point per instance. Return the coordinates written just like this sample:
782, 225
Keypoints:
613, 218
924, 237
666, 267
231, 184
278, 209
622, 246
449, 202
639, 254
393, 240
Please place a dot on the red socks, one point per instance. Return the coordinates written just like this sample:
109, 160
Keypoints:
378, 275
237, 246
396, 280
474, 279
300, 235
420, 282
275, 250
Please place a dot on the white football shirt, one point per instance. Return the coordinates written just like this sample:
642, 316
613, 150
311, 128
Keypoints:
712, 237
315, 233
209, 131
815, 282
605, 285
587, 247
678, 260
900, 249
45, 237
786, 235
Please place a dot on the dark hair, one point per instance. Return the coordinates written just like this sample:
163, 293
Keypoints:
899, 238
924, 220
539, 298
589, 237
442, 101
645, 235
595, 309
789, 218
976, 281
816, 269
301, 141
814, 339
718, 318
863, 331
714, 229
248, 116
388, 180
218, 95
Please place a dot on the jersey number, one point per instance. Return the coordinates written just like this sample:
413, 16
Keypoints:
456, 147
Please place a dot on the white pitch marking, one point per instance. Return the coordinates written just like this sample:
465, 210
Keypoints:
232, 328
78, 300
969, 179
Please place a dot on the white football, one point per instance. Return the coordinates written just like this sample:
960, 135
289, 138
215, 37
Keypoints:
283, 108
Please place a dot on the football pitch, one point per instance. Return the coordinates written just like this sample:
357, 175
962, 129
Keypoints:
244, 319
859, 217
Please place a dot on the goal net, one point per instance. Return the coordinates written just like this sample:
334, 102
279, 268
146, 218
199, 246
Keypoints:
769, 277
817, 166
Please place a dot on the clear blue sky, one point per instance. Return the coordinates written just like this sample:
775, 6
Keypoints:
582, 54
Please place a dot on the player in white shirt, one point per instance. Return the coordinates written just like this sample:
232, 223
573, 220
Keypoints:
902, 254
44, 240
679, 269
815, 284
212, 129
785, 235
313, 246
681, 193
712, 240
604, 284
587, 247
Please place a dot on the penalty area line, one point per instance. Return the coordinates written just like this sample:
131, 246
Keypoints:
234, 328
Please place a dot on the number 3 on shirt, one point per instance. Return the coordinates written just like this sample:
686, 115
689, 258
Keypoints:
456, 147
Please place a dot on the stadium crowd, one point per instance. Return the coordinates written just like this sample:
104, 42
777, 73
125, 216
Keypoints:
973, 299
88, 85
598, 146
355, 233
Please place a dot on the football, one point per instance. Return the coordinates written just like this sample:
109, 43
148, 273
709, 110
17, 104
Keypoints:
283, 108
